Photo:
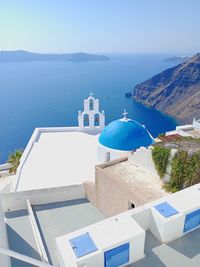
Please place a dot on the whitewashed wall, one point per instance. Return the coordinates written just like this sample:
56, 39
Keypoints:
17, 200
107, 234
4, 260
114, 154
143, 157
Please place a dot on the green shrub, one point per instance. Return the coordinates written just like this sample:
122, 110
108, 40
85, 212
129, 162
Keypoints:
180, 164
160, 157
185, 171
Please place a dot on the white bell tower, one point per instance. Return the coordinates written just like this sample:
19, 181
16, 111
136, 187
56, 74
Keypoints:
91, 118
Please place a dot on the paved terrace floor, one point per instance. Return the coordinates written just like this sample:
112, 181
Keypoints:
182, 252
61, 218
60, 159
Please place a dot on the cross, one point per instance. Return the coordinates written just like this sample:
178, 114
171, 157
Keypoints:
125, 113
91, 94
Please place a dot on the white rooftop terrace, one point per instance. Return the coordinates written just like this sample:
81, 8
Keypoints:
31, 220
58, 158
166, 243
60, 213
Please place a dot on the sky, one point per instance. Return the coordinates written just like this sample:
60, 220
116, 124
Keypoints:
100, 26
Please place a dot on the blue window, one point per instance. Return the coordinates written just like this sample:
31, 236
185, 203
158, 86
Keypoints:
82, 245
117, 256
192, 220
165, 209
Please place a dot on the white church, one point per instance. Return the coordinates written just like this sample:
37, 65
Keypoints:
56, 152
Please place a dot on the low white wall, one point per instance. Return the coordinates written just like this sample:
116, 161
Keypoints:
174, 228
17, 200
184, 127
4, 260
36, 233
166, 229
143, 157
184, 133
107, 235
136, 251
170, 133
97, 260
5, 184
23, 258
114, 154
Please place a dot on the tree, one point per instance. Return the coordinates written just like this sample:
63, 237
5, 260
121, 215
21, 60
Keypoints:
14, 159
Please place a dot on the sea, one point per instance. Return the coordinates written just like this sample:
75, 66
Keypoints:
48, 94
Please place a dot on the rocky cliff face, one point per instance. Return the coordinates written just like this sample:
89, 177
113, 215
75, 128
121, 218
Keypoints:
175, 91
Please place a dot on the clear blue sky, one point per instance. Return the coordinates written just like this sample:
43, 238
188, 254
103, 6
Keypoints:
138, 26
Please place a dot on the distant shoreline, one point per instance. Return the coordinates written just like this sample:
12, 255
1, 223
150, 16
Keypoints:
25, 56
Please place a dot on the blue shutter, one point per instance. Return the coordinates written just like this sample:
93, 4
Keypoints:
117, 256
192, 220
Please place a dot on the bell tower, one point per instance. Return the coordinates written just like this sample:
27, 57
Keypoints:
91, 118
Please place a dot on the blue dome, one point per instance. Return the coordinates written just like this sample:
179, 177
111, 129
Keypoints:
125, 134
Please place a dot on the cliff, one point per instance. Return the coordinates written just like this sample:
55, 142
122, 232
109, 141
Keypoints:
175, 91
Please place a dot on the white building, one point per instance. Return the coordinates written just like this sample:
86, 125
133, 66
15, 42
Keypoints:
190, 130
59, 227
53, 219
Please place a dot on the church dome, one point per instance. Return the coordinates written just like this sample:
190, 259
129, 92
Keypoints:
125, 134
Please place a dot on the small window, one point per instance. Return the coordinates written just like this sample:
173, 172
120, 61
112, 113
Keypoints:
91, 104
107, 156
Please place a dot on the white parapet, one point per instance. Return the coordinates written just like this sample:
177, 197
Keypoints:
107, 235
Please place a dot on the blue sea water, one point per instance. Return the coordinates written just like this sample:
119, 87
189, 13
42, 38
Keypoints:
41, 94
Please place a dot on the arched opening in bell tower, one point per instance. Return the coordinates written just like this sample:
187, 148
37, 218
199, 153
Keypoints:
96, 120
86, 120
91, 104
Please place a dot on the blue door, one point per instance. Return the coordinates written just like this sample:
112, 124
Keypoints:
192, 220
117, 256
